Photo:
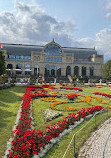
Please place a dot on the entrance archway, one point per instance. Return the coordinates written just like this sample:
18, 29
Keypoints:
52, 70
58, 72
76, 71
68, 71
9, 66
91, 71
47, 70
83, 71
36, 70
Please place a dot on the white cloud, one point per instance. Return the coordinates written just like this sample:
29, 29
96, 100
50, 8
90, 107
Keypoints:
103, 42
87, 42
32, 25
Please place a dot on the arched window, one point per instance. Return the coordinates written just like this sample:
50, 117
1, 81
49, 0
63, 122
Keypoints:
76, 71
91, 71
68, 70
52, 49
36, 70
27, 69
47, 70
52, 70
58, 72
83, 71
18, 66
9, 66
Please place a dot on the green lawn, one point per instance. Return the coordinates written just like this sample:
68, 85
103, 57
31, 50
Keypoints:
10, 100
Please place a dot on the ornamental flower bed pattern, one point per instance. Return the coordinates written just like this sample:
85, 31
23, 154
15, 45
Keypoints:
28, 141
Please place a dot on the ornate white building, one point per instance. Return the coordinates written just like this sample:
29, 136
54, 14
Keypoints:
52, 60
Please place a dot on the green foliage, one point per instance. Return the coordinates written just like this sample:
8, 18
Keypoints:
13, 79
2, 64
3, 79
0, 79
107, 70
32, 80
40, 81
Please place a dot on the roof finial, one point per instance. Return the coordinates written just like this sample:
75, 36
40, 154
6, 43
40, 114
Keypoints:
53, 40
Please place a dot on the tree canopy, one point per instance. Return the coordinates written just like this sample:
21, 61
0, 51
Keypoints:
107, 70
2, 63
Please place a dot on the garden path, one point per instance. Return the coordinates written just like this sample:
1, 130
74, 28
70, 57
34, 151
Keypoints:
99, 144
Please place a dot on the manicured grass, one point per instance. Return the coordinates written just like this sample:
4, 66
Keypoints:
59, 149
10, 100
104, 89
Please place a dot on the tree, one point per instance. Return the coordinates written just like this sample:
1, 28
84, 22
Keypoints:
107, 70
2, 63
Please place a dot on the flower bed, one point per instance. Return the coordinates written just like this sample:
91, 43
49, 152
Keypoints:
71, 88
103, 94
28, 142
53, 106
72, 96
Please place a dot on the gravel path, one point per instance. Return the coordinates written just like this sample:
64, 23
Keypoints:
99, 144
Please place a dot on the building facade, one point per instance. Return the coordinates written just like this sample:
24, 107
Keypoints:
52, 60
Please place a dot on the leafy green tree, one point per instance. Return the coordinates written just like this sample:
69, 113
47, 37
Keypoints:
107, 70
2, 63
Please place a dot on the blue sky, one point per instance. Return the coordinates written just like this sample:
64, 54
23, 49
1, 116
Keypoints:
89, 16
75, 23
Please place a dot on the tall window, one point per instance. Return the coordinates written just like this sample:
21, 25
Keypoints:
19, 67
76, 71
68, 70
83, 71
47, 70
36, 70
58, 72
91, 71
52, 70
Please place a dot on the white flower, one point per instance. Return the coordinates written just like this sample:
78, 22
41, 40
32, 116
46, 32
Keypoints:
50, 115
